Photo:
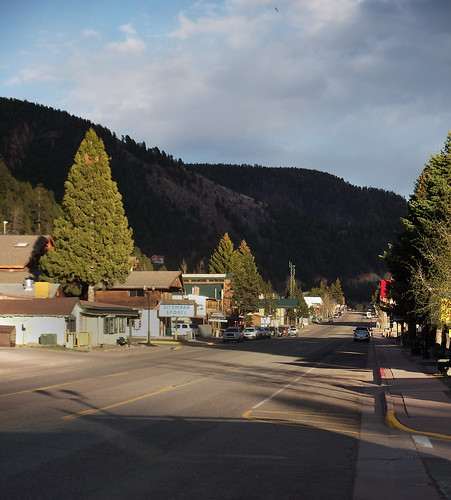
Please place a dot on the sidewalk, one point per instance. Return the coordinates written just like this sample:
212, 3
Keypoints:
417, 401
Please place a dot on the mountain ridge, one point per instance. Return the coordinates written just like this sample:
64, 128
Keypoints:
323, 224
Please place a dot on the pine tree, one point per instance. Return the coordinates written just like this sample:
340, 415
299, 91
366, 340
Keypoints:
221, 260
419, 259
93, 240
303, 309
247, 282
336, 292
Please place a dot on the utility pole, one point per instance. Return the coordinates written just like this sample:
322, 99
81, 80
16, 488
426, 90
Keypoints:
292, 273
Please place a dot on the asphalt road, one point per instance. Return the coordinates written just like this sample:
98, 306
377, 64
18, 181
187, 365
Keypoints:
277, 418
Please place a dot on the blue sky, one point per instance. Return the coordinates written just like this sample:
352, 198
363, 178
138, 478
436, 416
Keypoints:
357, 88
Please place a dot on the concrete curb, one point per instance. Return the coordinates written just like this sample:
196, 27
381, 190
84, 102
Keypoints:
391, 420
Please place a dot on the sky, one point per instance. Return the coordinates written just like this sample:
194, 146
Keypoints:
356, 88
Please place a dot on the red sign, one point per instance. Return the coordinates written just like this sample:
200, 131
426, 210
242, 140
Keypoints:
385, 287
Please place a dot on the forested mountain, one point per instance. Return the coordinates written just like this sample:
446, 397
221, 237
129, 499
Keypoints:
325, 226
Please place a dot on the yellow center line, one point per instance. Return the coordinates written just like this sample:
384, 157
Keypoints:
341, 428
144, 396
54, 386
61, 384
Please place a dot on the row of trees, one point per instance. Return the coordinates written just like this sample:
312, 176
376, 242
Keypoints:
248, 284
420, 259
27, 210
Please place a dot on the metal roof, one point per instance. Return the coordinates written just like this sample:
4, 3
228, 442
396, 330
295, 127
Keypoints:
161, 280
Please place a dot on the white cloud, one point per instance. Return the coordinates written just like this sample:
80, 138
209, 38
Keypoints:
353, 87
91, 33
30, 75
128, 28
132, 45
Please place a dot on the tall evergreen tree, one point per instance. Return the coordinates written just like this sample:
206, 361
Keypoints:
418, 282
221, 262
93, 239
336, 292
247, 282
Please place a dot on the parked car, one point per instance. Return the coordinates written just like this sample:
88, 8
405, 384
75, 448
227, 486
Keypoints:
252, 333
233, 333
273, 331
283, 331
186, 330
362, 333
293, 331
266, 334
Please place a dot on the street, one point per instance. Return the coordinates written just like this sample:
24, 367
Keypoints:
276, 418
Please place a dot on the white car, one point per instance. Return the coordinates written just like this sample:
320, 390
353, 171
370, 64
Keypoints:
251, 333
293, 331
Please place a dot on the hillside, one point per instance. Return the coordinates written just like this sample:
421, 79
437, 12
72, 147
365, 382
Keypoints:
325, 226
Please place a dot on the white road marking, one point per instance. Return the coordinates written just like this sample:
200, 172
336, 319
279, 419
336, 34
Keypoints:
283, 388
422, 441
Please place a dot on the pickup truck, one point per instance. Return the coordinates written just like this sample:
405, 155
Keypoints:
233, 333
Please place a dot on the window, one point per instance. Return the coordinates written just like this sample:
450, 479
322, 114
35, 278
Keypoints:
136, 293
115, 325
71, 324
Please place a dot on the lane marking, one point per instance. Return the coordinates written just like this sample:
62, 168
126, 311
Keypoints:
422, 441
54, 386
154, 393
324, 425
283, 388
77, 381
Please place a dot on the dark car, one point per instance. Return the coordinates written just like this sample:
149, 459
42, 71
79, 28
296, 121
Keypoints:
362, 333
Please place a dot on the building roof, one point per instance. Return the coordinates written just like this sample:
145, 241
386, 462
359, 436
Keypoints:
101, 309
16, 251
313, 301
61, 306
19, 290
17, 277
161, 280
207, 277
